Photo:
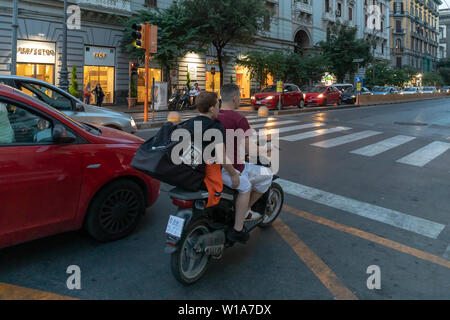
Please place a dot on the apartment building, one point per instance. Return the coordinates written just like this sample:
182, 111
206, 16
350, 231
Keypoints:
444, 29
415, 33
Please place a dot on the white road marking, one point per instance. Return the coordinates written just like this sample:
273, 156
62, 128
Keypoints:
272, 124
382, 146
314, 133
292, 128
424, 155
345, 139
446, 254
394, 218
262, 120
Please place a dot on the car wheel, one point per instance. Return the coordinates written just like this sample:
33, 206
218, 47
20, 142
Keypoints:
115, 211
301, 104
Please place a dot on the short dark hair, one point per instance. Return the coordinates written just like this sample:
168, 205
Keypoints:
205, 100
229, 91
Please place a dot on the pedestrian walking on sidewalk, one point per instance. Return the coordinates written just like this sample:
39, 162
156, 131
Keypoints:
87, 93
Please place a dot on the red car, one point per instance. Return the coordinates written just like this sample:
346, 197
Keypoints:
58, 175
323, 95
268, 97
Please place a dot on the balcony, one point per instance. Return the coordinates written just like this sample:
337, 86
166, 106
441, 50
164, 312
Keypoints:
329, 16
399, 31
303, 7
123, 6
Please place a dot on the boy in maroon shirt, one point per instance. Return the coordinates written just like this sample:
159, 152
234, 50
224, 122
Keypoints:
254, 180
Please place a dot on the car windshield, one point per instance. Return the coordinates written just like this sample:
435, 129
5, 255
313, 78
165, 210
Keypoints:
410, 89
317, 89
350, 90
428, 88
270, 89
380, 89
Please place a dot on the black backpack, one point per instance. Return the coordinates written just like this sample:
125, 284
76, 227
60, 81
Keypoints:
154, 159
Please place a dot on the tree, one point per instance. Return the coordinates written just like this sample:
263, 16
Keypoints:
256, 63
306, 69
432, 79
342, 47
73, 90
222, 22
175, 38
444, 70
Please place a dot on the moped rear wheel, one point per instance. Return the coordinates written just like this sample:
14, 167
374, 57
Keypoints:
187, 264
274, 205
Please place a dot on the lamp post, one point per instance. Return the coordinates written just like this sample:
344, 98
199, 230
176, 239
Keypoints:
14, 25
63, 82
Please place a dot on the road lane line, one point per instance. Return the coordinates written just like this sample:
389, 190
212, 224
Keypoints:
13, 292
272, 124
370, 237
382, 146
394, 218
424, 155
292, 128
314, 263
314, 133
262, 120
345, 139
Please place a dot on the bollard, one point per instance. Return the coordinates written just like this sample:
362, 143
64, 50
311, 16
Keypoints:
263, 112
174, 117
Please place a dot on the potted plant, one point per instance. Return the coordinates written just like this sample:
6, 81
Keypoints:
132, 97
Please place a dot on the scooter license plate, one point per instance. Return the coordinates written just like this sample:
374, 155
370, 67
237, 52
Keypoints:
175, 226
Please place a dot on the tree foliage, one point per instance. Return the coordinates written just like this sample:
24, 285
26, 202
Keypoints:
225, 22
73, 90
342, 47
432, 79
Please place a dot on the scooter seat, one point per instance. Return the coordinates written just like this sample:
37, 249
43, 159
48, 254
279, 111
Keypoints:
182, 194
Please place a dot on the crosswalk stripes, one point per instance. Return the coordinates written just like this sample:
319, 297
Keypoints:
382, 146
291, 128
345, 139
424, 155
272, 124
314, 133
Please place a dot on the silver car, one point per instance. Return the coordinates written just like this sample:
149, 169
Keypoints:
69, 105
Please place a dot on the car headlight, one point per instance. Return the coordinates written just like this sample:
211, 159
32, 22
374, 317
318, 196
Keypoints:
252, 98
269, 97
133, 124
304, 96
353, 96
320, 95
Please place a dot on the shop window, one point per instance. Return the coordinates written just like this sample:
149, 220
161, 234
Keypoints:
243, 81
44, 72
213, 82
153, 73
104, 76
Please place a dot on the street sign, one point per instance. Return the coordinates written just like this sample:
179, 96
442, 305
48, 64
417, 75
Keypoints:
358, 86
357, 79
279, 86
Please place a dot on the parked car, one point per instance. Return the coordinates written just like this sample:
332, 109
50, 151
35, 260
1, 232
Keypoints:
349, 95
377, 90
410, 90
429, 90
445, 89
269, 97
322, 95
71, 106
342, 86
59, 174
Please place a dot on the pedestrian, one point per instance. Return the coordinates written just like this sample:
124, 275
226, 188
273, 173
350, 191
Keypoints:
87, 93
99, 94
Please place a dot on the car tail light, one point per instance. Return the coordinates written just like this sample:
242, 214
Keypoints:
183, 204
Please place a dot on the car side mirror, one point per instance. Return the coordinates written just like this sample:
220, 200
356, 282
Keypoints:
79, 107
62, 136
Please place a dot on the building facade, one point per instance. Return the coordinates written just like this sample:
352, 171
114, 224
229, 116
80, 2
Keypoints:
444, 29
415, 34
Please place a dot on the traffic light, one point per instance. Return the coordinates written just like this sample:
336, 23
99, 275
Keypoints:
139, 35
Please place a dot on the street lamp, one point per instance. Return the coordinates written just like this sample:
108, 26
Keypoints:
63, 82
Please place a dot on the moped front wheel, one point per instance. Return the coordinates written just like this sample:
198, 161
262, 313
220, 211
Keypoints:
188, 265
274, 205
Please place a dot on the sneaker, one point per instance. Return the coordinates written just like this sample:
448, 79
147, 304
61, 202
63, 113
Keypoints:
253, 216
238, 236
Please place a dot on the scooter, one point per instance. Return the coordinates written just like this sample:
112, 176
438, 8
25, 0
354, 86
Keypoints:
173, 101
185, 101
197, 234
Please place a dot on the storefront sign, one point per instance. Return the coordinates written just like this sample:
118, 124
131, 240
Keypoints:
36, 52
99, 56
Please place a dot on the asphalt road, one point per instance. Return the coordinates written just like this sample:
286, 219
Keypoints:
364, 187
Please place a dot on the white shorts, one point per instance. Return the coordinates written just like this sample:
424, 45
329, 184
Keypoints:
253, 177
